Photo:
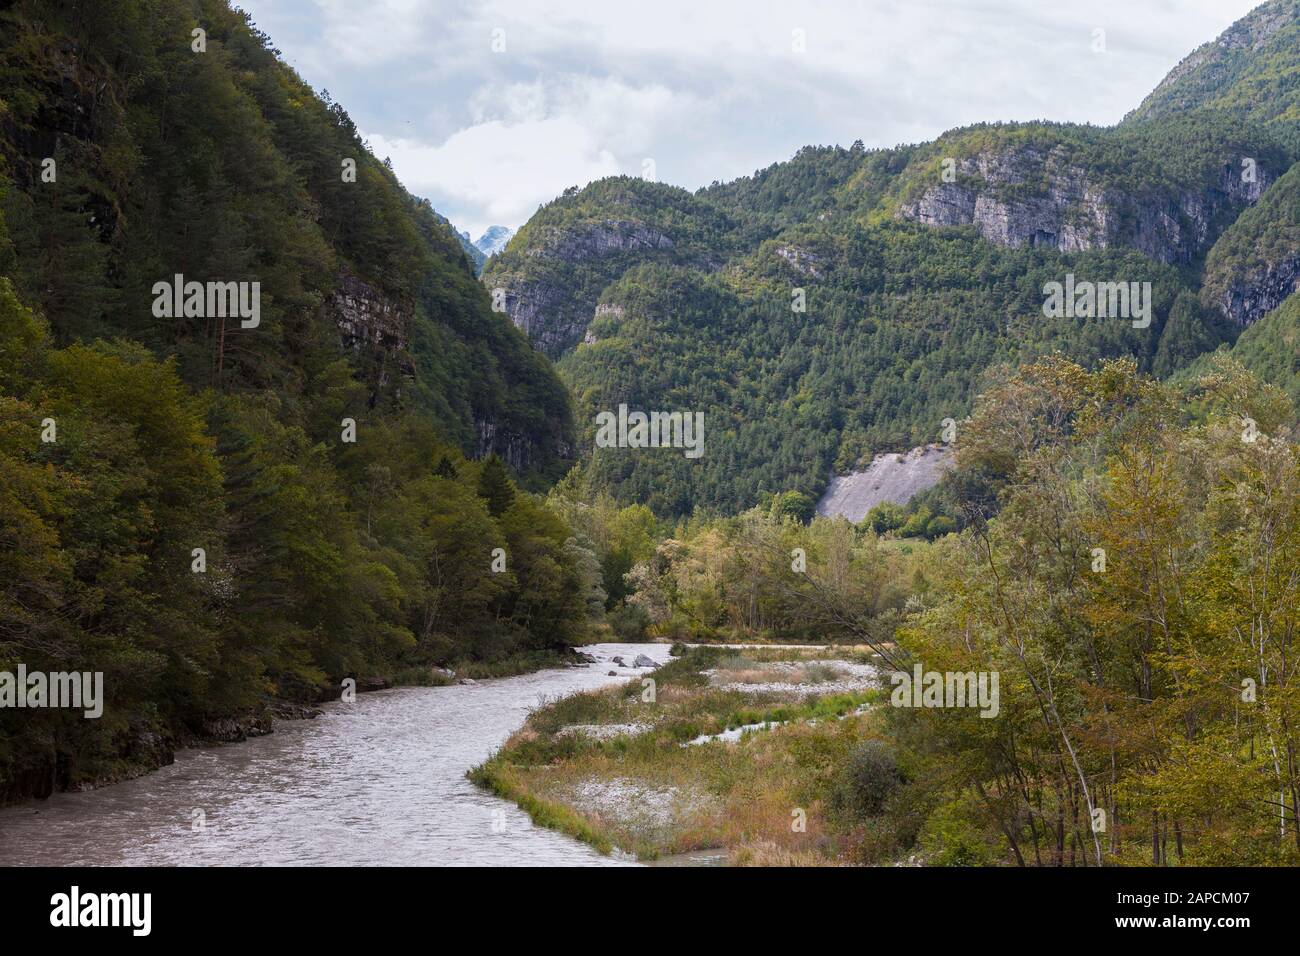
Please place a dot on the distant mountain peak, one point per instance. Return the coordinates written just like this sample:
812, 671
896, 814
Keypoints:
1246, 70
493, 240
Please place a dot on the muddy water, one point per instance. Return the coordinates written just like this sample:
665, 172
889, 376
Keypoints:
379, 781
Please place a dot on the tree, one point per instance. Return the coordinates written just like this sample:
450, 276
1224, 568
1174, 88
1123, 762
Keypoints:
794, 505
885, 517
495, 486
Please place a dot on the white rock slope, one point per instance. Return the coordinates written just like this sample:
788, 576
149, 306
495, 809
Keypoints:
893, 477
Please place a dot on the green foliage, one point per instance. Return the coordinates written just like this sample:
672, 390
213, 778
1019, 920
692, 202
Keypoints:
885, 517
1192, 330
1121, 680
629, 623
916, 524
244, 183
494, 486
320, 558
1270, 348
1248, 72
866, 781
939, 525
794, 505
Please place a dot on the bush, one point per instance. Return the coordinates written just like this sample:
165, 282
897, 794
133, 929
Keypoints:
865, 782
916, 525
793, 504
885, 516
940, 525
954, 836
629, 622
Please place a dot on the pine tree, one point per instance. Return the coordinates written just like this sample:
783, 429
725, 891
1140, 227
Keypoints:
495, 487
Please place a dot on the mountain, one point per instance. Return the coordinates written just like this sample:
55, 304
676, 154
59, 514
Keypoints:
493, 240
1271, 348
257, 414
1249, 71
476, 256
390, 290
1251, 74
1255, 264
918, 269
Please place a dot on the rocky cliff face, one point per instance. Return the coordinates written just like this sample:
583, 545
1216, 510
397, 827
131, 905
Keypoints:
542, 301
892, 477
376, 329
1034, 196
802, 261
514, 448
601, 239
1249, 299
537, 308
1255, 265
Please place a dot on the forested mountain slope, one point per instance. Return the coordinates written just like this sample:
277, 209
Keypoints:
1255, 264
1248, 71
916, 268
223, 165
1271, 348
222, 509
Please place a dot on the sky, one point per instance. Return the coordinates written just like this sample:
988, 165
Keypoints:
489, 108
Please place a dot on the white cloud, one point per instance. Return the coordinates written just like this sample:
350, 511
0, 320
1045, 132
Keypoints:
588, 88
498, 173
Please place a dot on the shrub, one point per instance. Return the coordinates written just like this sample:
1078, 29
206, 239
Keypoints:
629, 622
865, 782
954, 836
885, 516
793, 504
916, 525
940, 525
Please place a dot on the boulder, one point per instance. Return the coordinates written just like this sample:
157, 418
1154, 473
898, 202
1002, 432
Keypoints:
291, 710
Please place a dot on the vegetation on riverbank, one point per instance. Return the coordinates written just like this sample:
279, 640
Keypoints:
1127, 566
219, 514
634, 769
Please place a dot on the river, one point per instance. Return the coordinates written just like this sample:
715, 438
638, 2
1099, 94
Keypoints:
378, 781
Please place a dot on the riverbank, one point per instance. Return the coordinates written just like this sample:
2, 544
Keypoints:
379, 781
145, 748
751, 752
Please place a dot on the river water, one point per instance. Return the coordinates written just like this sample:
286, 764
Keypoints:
378, 781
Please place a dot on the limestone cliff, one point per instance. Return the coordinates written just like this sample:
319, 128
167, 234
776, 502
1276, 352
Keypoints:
376, 330
1039, 196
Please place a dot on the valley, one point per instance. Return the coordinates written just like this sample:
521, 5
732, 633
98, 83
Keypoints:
1008, 418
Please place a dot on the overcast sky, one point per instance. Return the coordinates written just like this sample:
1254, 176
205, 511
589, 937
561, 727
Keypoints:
706, 89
